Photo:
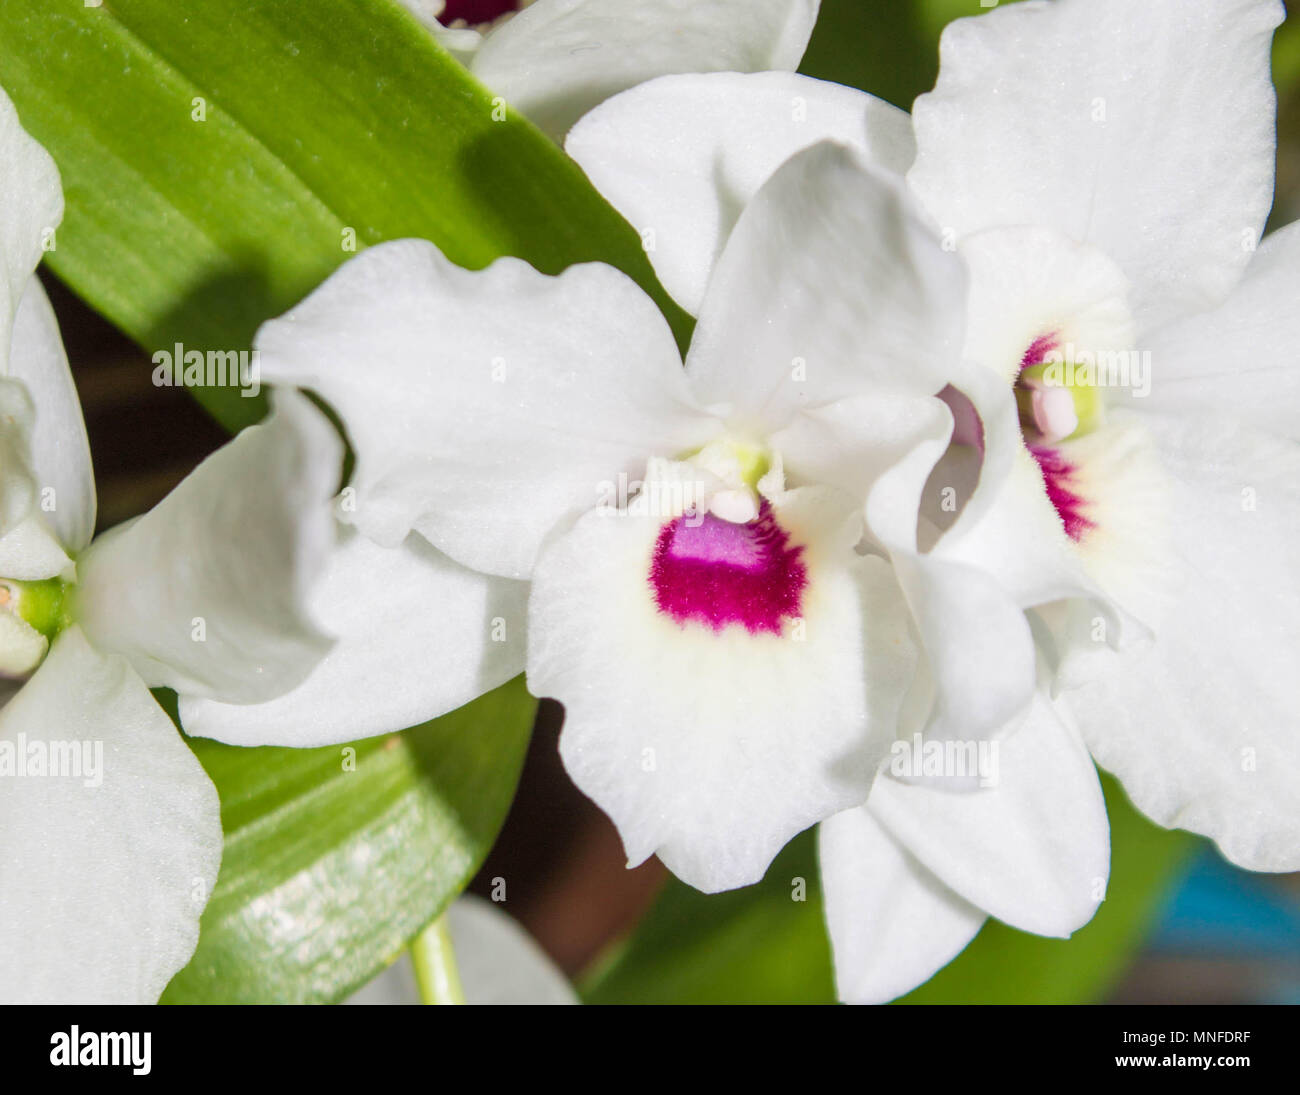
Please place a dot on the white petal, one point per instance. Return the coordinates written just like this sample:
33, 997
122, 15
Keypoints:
485, 407
1033, 850
1202, 726
18, 494
1238, 358
21, 648
102, 877
713, 748
1031, 283
856, 443
829, 287
497, 961
1008, 527
207, 593
60, 450
418, 636
892, 924
1144, 129
31, 207
29, 550
979, 652
1119, 472
681, 157
557, 59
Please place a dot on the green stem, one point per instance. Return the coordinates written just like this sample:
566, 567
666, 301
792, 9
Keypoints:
435, 965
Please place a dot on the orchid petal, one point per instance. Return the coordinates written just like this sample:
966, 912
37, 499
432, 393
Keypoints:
207, 593
60, 449
681, 157
556, 59
830, 286
1034, 848
102, 877
1144, 129
418, 636
892, 924
486, 407
1201, 726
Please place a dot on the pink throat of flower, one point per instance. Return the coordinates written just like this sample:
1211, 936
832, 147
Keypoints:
1039, 349
1058, 477
1058, 473
718, 573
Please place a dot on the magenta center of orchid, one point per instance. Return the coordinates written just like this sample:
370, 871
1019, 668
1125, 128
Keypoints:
1048, 415
1059, 476
476, 12
715, 572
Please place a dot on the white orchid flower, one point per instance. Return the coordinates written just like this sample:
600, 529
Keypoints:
554, 60
1032, 850
110, 835
1175, 495
496, 962
731, 667
1103, 205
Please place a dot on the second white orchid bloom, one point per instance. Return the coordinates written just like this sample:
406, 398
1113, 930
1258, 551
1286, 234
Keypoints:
731, 661
110, 834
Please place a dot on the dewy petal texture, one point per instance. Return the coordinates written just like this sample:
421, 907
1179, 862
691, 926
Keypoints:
557, 59
102, 878
1240, 358
714, 747
1202, 727
60, 452
1144, 129
1034, 850
207, 592
892, 924
418, 636
682, 156
830, 285
485, 407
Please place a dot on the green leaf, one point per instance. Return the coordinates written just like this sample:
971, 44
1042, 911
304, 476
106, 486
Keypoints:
758, 945
880, 48
216, 159
335, 858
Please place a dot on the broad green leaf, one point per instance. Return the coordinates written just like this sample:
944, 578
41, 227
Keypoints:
220, 158
335, 858
881, 48
757, 945
760, 945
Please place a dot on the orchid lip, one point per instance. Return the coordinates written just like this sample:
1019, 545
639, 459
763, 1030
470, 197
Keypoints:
722, 573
